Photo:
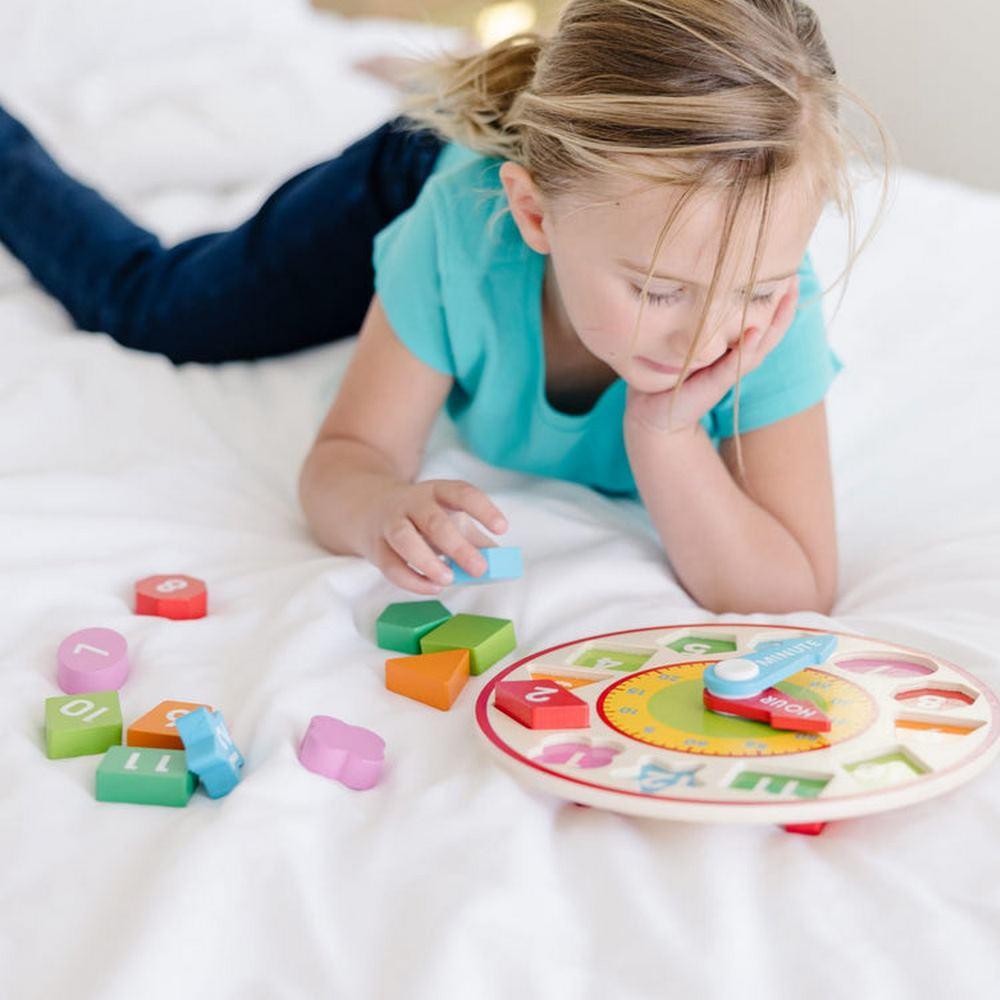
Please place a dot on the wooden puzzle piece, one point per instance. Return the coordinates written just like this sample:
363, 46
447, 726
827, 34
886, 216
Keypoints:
774, 707
146, 776
82, 724
502, 563
487, 639
577, 753
433, 678
352, 754
402, 625
541, 705
771, 662
211, 753
173, 596
606, 658
158, 727
92, 659
810, 829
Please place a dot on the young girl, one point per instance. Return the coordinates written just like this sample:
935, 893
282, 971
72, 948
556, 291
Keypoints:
591, 248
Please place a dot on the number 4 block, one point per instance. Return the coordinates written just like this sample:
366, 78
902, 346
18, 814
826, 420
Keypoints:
541, 705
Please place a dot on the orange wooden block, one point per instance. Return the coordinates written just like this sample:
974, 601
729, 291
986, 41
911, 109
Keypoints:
158, 728
433, 678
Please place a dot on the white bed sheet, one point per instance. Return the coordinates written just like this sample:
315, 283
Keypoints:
449, 878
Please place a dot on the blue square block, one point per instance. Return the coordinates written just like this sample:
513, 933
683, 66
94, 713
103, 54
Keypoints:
502, 563
211, 753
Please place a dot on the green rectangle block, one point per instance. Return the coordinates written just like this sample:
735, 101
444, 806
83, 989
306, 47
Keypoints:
487, 639
77, 725
145, 775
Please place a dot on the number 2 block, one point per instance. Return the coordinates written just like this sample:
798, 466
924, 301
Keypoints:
541, 705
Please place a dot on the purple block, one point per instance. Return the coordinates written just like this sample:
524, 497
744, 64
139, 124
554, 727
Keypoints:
351, 754
93, 659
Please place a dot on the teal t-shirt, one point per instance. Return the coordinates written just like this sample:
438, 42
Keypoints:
463, 291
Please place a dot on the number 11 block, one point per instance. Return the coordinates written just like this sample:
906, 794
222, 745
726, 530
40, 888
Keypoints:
148, 776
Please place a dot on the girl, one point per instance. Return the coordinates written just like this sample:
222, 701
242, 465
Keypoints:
591, 248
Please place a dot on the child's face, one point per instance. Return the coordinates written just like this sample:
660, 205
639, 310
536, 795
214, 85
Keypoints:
592, 248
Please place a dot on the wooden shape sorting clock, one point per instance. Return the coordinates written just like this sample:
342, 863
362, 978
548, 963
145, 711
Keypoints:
901, 726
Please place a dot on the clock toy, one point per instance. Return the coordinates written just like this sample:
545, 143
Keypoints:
749, 723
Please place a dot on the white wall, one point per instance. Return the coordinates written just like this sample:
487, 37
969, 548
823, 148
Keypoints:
931, 70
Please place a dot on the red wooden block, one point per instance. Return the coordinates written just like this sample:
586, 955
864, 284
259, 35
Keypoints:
542, 705
811, 829
774, 707
176, 596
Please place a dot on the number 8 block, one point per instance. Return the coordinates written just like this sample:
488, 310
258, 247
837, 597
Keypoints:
175, 596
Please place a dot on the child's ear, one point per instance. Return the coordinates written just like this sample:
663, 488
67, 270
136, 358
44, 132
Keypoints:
526, 205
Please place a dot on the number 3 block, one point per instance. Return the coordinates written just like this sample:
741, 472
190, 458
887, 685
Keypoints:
541, 705
175, 596
158, 727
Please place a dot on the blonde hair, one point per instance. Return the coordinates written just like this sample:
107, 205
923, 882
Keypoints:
726, 96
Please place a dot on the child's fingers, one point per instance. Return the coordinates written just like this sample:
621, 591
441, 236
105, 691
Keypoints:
459, 495
404, 537
396, 571
439, 527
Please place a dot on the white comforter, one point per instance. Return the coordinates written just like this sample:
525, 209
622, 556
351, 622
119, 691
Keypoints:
449, 878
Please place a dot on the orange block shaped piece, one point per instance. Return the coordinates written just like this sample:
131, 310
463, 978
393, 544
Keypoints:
433, 678
158, 727
177, 596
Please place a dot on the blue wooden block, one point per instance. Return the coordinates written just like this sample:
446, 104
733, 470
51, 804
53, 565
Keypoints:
771, 662
211, 753
502, 563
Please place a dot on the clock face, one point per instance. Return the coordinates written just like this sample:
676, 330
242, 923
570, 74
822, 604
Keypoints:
904, 726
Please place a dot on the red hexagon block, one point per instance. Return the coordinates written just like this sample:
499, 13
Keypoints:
175, 596
542, 705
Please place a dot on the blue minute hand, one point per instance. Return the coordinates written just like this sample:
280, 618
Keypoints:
745, 676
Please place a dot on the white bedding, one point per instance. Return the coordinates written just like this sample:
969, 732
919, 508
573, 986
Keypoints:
449, 878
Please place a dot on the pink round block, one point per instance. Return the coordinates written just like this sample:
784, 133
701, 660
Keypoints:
351, 754
93, 659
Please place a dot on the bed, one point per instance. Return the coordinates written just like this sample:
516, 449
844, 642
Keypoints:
450, 878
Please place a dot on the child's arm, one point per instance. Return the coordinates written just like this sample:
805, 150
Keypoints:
773, 549
356, 486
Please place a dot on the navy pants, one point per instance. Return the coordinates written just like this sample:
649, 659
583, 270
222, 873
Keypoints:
296, 274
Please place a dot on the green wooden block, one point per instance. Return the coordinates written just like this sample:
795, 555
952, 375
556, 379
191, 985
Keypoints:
81, 724
147, 775
487, 639
401, 626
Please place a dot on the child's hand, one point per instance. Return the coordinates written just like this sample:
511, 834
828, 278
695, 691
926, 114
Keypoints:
702, 390
414, 522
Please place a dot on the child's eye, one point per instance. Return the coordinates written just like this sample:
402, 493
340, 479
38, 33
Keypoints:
658, 300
